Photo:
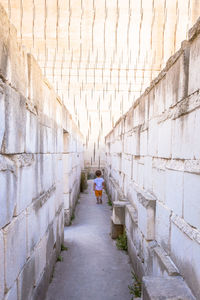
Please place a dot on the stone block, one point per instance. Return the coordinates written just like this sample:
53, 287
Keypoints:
36, 87
160, 97
143, 142
14, 138
8, 194
141, 174
135, 170
32, 139
116, 230
43, 139
66, 184
26, 183
2, 114
118, 146
158, 178
194, 76
153, 138
67, 163
118, 214
37, 221
184, 239
135, 259
132, 195
26, 280
47, 171
12, 294
13, 62
59, 141
196, 143
162, 220
184, 137
4, 51
40, 259
175, 288
148, 173
162, 263
191, 199
176, 82
1, 266
15, 248
164, 139
146, 215
174, 191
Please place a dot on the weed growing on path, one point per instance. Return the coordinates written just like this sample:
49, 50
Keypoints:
121, 242
135, 289
63, 248
73, 216
109, 202
59, 258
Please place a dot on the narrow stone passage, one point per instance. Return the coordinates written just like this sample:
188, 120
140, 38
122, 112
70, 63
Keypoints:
92, 267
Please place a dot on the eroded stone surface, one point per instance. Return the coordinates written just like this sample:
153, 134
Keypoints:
155, 288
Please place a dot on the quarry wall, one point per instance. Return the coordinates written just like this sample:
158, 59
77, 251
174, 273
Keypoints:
153, 162
41, 154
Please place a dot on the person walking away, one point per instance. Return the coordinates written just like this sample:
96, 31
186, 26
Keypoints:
98, 186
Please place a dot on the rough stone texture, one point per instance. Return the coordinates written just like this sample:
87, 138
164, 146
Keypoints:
12, 294
118, 215
116, 229
163, 265
1, 266
159, 164
15, 248
32, 124
155, 288
100, 67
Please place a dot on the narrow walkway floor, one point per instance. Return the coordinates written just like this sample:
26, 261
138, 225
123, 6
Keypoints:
92, 267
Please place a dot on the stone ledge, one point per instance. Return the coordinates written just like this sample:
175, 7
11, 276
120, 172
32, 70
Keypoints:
133, 213
39, 202
118, 215
191, 232
145, 198
169, 288
166, 261
194, 31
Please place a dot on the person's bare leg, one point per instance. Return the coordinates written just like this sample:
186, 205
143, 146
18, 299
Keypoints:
97, 200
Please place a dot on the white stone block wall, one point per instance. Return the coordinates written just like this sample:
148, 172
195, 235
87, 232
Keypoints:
33, 123
159, 153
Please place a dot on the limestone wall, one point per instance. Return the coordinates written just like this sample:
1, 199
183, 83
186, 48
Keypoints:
101, 55
153, 159
33, 125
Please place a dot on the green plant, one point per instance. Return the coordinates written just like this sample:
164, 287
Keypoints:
135, 289
109, 202
59, 258
63, 248
121, 242
72, 216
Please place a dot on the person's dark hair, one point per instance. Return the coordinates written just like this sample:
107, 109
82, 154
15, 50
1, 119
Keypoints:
98, 173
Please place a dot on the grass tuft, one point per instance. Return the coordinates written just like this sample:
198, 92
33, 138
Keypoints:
59, 258
136, 288
121, 242
63, 248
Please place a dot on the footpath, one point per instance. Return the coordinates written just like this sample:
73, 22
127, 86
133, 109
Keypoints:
92, 268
